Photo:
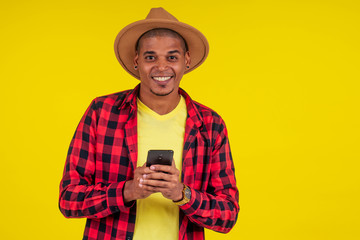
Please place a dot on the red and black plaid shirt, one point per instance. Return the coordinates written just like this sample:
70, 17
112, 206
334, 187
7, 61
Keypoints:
103, 154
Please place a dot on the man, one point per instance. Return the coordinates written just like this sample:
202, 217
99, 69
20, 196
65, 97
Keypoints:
105, 177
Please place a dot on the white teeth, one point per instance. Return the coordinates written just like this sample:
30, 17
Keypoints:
161, 79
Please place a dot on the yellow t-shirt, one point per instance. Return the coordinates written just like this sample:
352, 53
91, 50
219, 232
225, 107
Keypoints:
156, 216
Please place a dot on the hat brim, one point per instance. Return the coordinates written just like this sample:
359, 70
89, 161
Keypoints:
125, 42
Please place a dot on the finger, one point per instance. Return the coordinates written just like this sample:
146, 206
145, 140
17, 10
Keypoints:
151, 188
160, 176
143, 170
164, 168
143, 185
156, 183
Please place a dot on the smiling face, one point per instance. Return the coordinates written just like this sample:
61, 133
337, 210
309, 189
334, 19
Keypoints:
161, 62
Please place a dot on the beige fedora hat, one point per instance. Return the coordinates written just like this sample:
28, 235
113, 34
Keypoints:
159, 18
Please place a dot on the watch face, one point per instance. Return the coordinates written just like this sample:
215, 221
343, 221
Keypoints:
188, 193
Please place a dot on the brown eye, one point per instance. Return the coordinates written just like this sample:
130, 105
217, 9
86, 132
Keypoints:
149, 57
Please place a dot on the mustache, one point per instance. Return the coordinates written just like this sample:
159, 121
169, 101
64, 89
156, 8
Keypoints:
162, 73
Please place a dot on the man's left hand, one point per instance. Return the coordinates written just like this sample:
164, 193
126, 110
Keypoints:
165, 179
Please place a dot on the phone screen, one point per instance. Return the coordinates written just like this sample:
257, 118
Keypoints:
162, 157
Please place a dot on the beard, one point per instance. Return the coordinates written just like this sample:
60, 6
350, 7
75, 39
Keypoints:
161, 94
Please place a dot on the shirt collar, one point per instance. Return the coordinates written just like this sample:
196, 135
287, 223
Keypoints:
129, 98
192, 110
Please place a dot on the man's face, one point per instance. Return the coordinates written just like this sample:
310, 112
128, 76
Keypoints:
161, 64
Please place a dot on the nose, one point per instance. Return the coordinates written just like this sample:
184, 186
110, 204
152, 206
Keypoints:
162, 64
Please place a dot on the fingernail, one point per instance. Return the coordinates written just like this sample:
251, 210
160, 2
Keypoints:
141, 180
144, 176
152, 168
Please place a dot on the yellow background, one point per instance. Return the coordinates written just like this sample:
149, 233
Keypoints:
283, 74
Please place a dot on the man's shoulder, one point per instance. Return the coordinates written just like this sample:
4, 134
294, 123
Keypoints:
203, 109
206, 113
203, 113
113, 99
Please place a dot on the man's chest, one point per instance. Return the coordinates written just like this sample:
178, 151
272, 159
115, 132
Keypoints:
117, 155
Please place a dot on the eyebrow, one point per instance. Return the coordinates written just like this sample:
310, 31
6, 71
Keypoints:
149, 52
170, 52
174, 51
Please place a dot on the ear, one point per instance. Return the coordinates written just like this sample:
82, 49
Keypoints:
187, 58
136, 58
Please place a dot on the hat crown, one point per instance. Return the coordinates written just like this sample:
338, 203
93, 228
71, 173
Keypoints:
125, 41
160, 13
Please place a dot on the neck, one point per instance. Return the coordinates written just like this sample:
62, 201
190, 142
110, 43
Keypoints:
160, 104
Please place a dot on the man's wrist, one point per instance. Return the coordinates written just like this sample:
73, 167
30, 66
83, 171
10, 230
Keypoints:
180, 195
186, 196
127, 194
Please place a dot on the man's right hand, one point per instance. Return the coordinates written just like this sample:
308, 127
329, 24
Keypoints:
132, 188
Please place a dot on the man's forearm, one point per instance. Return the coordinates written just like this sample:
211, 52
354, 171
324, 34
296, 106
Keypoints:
92, 201
127, 191
218, 213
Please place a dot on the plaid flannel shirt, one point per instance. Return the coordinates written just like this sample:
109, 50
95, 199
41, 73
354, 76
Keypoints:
103, 155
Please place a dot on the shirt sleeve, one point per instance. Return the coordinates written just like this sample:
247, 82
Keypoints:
217, 208
79, 195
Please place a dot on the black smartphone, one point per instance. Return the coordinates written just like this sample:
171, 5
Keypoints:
163, 157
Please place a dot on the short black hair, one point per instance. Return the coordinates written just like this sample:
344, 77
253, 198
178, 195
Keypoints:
161, 32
